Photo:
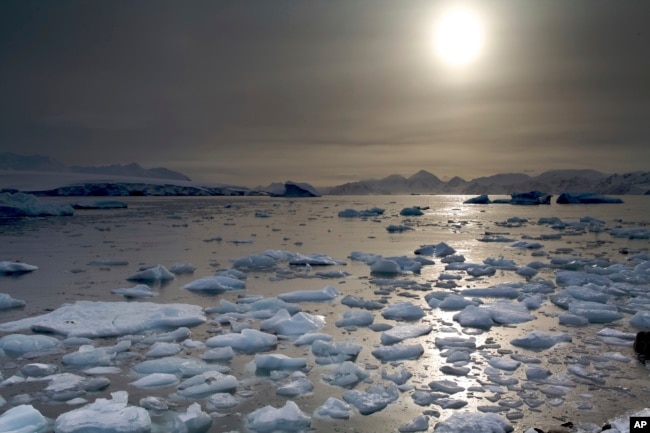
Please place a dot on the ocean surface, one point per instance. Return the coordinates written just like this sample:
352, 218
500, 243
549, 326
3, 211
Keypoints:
210, 233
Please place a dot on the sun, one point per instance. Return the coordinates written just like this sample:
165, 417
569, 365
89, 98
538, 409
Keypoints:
458, 36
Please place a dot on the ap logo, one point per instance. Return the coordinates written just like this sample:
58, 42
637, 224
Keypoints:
639, 424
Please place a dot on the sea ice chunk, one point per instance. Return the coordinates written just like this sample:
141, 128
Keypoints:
278, 361
23, 419
334, 353
21, 204
398, 352
374, 399
156, 380
207, 383
334, 408
7, 302
403, 311
346, 375
474, 422
540, 340
403, 332
139, 291
215, 284
105, 415
327, 293
155, 273
7, 267
282, 323
286, 419
355, 318
109, 319
19, 344
194, 420
248, 341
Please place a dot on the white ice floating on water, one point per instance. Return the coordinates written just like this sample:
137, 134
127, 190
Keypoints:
327, 293
152, 274
289, 419
8, 302
20, 204
139, 291
109, 319
9, 267
114, 415
215, 284
24, 419
286, 325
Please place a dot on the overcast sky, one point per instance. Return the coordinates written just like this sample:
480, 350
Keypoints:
326, 92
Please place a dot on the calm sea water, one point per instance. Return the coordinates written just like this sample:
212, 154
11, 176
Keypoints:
210, 232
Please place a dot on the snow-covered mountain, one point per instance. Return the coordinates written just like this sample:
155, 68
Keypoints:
12, 161
551, 182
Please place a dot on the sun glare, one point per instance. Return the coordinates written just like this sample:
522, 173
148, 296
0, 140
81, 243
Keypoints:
458, 36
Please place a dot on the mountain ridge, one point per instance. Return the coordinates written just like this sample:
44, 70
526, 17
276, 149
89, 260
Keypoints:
13, 161
551, 181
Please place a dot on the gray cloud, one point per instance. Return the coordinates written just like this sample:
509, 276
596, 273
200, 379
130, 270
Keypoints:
251, 92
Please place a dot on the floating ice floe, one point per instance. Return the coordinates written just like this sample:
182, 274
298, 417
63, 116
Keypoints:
100, 204
278, 361
215, 284
374, 399
540, 340
20, 204
353, 213
411, 211
248, 341
327, 293
473, 422
114, 415
585, 198
7, 302
288, 419
139, 291
334, 408
284, 324
20, 344
24, 418
7, 267
403, 311
439, 250
154, 273
207, 383
109, 319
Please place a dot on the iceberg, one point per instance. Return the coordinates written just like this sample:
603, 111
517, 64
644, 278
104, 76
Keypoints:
139, 291
19, 344
154, 273
24, 419
105, 415
474, 422
19, 204
585, 198
540, 340
109, 319
248, 341
334, 408
284, 324
278, 361
7, 267
289, 419
374, 399
327, 293
7, 302
215, 284
398, 352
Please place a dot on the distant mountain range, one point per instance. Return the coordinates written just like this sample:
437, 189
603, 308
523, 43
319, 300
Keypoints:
422, 182
12, 161
551, 182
